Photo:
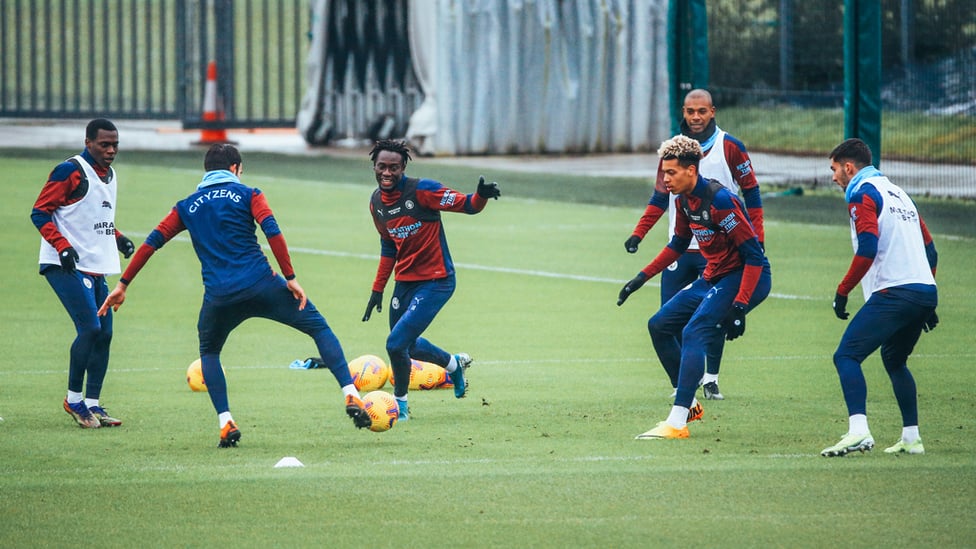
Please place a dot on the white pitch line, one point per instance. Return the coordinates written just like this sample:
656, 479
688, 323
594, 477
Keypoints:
781, 358
506, 270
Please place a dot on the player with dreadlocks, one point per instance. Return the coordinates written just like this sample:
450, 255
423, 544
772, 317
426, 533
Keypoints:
407, 215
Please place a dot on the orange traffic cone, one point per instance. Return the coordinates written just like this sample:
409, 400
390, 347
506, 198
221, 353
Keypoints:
213, 110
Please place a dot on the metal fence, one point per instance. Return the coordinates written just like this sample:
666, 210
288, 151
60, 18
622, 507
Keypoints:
147, 59
772, 60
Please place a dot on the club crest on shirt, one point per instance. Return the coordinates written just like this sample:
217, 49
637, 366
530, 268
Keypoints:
408, 204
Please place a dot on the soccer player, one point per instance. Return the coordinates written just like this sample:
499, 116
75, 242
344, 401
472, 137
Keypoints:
736, 279
725, 160
895, 262
75, 214
407, 215
237, 278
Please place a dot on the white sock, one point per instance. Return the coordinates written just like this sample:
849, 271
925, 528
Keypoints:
909, 434
678, 418
224, 418
708, 378
858, 425
350, 390
74, 398
452, 365
91, 402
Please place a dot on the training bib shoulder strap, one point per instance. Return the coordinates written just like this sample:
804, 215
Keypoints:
701, 215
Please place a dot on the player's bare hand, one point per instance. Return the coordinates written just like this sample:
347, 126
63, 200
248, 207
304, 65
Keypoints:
114, 300
298, 292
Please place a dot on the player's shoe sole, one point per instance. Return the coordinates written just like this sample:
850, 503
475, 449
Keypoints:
695, 413
82, 415
663, 430
901, 447
356, 410
229, 435
457, 376
849, 443
103, 418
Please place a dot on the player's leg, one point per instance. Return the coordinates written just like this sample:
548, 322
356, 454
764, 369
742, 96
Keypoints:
666, 325
666, 328
432, 297
78, 299
868, 329
894, 355
414, 307
277, 303
98, 360
701, 332
213, 327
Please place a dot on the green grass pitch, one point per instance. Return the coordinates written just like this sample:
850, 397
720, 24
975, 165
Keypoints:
542, 451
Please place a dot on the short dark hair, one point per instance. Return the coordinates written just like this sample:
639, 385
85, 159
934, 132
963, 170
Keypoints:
91, 131
392, 145
221, 156
852, 149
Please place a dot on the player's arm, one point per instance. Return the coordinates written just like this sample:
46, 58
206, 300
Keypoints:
170, 226
60, 190
435, 196
656, 207
930, 252
262, 213
740, 165
668, 255
388, 251
863, 209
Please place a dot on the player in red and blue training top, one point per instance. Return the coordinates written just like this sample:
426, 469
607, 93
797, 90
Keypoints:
407, 215
736, 279
726, 161
75, 214
237, 278
895, 262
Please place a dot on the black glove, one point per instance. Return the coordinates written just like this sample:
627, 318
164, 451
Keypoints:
840, 306
125, 246
631, 287
735, 322
488, 190
69, 257
631, 244
931, 322
375, 300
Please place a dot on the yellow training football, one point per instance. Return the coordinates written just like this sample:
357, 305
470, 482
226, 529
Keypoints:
382, 409
194, 377
426, 375
369, 372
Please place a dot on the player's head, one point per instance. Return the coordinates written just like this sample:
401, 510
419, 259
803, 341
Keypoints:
102, 141
222, 156
680, 157
698, 110
847, 159
390, 159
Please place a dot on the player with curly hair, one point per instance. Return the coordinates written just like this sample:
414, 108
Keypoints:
407, 214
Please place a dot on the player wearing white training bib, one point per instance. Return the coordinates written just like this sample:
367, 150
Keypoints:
75, 214
725, 160
894, 261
